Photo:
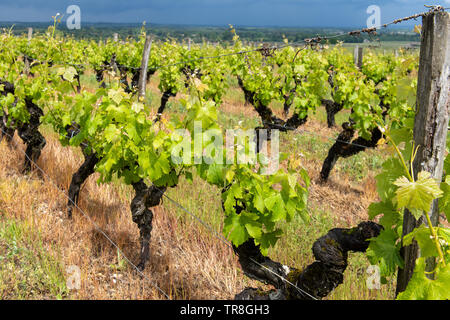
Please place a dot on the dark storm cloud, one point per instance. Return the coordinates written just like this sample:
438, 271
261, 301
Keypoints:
216, 12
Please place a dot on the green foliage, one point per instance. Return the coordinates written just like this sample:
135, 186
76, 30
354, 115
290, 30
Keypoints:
417, 195
422, 288
254, 205
427, 247
385, 251
399, 191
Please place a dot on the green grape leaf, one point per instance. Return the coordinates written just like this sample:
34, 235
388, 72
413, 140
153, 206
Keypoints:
168, 180
137, 107
215, 174
144, 160
418, 194
447, 163
268, 240
189, 177
254, 228
391, 216
422, 288
235, 192
392, 170
234, 230
132, 133
116, 95
69, 73
229, 202
275, 204
384, 251
230, 175
270, 201
423, 237
112, 134
444, 202
259, 202
305, 177
377, 208
291, 208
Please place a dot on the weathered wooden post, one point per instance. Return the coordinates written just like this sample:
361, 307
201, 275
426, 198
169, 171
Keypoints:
358, 56
25, 59
431, 123
30, 34
144, 67
116, 37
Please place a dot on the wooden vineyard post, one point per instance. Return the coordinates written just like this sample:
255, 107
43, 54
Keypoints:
431, 122
26, 60
189, 46
30, 34
358, 56
116, 37
144, 67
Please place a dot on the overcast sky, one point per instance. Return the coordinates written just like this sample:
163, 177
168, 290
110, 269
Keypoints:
291, 13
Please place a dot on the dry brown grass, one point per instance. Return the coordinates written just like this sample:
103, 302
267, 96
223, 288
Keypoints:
239, 109
341, 195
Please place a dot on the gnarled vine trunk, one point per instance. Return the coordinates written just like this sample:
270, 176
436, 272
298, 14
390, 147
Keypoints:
29, 133
269, 120
136, 74
318, 279
99, 77
164, 100
345, 147
78, 178
145, 198
332, 108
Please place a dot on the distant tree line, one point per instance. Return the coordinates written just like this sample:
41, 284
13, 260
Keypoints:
198, 34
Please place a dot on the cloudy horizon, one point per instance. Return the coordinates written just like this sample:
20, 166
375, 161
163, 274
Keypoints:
280, 13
